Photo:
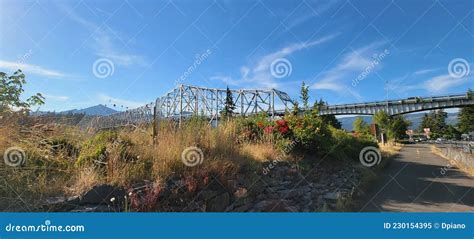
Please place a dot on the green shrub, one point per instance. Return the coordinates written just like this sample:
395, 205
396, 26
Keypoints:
310, 132
96, 147
348, 146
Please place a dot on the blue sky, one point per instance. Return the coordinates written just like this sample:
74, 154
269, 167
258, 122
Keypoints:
82, 53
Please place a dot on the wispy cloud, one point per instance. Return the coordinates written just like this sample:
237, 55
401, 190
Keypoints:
435, 85
338, 78
443, 83
259, 74
315, 10
56, 97
107, 43
32, 69
425, 71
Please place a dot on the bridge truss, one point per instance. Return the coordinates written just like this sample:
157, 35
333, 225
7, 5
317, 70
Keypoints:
185, 101
398, 107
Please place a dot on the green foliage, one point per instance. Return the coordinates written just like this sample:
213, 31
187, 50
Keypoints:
305, 95
361, 127
397, 127
452, 133
382, 119
95, 149
436, 121
11, 88
63, 146
327, 119
310, 132
466, 119
296, 108
229, 106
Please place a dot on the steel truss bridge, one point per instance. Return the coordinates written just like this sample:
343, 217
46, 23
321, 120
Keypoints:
398, 107
185, 101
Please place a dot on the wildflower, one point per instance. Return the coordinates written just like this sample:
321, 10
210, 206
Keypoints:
260, 124
268, 129
281, 123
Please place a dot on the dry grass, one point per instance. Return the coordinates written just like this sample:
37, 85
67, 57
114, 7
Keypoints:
260, 152
52, 171
390, 149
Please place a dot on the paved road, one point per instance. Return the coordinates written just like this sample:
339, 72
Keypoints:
419, 181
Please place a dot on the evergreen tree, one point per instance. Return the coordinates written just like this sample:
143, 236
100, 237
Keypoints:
439, 121
229, 106
426, 122
327, 119
397, 127
305, 95
332, 120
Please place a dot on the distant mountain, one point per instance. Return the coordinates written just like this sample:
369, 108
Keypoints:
414, 118
98, 110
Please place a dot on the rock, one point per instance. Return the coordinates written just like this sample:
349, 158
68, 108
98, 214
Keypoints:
103, 194
315, 193
240, 193
218, 203
332, 195
242, 208
289, 193
232, 185
207, 195
95, 208
58, 204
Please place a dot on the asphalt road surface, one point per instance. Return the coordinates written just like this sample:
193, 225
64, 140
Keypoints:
419, 181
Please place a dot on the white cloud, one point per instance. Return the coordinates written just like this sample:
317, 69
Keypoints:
435, 85
319, 8
32, 69
105, 42
442, 83
425, 71
108, 100
56, 97
259, 75
349, 67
